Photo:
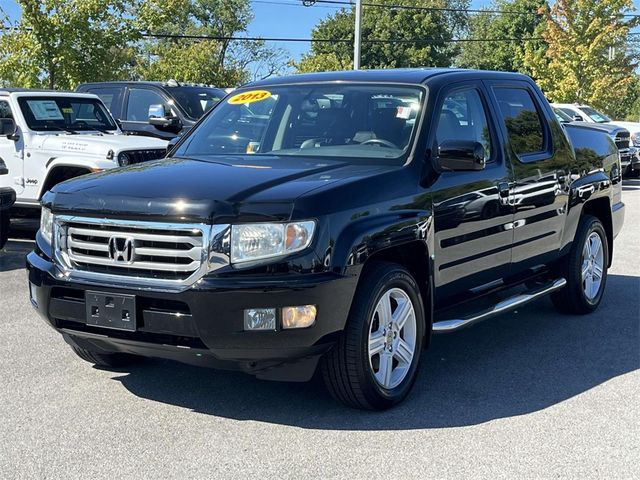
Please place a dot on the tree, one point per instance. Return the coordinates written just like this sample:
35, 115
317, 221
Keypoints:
589, 58
59, 43
220, 61
424, 36
505, 55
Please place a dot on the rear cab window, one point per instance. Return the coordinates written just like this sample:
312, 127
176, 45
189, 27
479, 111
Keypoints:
525, 128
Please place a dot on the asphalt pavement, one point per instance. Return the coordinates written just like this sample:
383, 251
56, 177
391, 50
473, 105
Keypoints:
530, 394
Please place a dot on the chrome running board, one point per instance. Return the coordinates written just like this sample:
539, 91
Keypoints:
445, 326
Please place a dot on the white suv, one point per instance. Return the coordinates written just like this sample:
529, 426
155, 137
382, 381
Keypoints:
585, 113
49, 137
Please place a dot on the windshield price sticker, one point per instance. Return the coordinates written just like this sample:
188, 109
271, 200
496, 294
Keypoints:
249, 97
45, 110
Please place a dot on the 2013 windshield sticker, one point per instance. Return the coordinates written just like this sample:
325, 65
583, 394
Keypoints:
249, 97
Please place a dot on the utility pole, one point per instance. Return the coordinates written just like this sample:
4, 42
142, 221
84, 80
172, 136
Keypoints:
358, 36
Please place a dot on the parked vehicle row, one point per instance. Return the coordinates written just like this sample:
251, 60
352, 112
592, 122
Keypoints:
333, 221
627, 137
155, 109
49, 137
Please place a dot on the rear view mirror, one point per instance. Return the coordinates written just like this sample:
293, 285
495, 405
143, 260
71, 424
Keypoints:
7, 127
461, 155
577, 118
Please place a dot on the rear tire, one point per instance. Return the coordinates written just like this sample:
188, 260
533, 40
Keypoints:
585, 269
106, 360
375, 362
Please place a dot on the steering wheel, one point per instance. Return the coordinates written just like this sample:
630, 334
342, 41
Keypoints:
380, 141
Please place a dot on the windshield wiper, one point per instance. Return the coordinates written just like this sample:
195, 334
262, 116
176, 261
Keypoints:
101, 130
60, 129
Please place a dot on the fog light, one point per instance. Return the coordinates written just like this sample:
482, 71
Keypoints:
260, 319
302, 316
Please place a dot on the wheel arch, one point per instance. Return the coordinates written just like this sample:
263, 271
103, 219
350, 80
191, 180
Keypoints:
414, 256
601, 209
61, 172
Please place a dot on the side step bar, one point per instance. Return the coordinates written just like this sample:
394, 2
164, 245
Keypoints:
445, 326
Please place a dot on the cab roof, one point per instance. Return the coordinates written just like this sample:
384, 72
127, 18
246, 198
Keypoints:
25, 92
395, 75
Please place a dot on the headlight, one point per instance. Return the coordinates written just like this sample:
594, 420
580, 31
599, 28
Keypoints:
46, 224
124, 159
258, 241
635, 139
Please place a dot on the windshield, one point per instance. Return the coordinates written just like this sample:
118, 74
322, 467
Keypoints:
336, 120
196, 101
562, 116
595, 115
69, 114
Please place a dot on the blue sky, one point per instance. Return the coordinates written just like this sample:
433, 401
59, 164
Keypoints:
274, 19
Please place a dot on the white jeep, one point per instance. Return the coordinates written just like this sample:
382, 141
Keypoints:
48, 137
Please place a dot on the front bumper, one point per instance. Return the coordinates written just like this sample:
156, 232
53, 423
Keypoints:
204, 325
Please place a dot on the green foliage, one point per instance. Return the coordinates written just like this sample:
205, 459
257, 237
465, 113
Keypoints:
220, 62
576, 66
59, 43
508, 55
426, 36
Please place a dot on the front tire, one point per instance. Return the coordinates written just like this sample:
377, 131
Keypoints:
585, 269
374, 364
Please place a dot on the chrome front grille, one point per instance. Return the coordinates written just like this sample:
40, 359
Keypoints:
622, 140
140, 156
141, 253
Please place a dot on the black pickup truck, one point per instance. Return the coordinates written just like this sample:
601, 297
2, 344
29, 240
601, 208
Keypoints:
333, 220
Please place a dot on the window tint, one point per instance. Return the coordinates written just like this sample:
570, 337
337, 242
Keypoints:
139, 101
109, 96
463, 117
5, 110
524, 127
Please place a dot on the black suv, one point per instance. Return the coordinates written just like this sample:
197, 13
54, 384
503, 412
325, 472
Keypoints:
155, 109
334, 219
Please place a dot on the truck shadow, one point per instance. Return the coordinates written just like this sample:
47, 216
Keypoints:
516, 364
12, 256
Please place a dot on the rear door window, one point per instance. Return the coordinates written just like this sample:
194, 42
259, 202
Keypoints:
522, 120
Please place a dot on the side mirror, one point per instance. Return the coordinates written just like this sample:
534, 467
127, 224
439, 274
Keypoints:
7, 127
160, 117
577, 118
461, 155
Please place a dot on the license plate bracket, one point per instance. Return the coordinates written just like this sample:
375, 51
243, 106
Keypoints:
108, 310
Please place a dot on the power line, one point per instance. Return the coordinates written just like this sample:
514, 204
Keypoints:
431, 9
337, 3
334, 40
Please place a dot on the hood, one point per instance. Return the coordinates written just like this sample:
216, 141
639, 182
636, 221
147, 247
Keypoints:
633, 127
96, 144
240, 188
609, 128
